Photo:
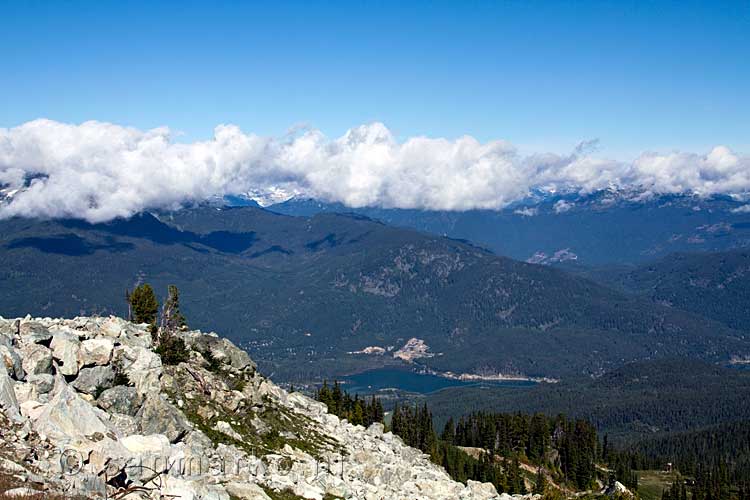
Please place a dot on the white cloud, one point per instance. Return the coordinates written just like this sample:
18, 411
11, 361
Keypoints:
744, 209
526, 211
99, 171
562, 206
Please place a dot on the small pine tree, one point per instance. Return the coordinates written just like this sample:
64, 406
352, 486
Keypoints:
449, 431
143, 304
540, 484
171, 316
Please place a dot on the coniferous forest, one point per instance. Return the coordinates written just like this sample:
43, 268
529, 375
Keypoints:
506, 448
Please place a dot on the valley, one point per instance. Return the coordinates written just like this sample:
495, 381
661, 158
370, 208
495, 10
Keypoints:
301, 294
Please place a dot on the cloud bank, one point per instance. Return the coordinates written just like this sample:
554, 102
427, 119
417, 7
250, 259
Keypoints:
100, 171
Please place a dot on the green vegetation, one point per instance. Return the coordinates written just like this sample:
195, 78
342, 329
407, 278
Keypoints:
171, 317
713, 285
355, 410
653, 483
172, 350
707, 448
301, 294
641, 400
280, 426
280, 495
143, 304
506, 440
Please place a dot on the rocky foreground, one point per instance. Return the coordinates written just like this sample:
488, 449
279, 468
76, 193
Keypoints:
88, 408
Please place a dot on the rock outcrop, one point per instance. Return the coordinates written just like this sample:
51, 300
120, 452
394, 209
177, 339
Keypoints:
87, 407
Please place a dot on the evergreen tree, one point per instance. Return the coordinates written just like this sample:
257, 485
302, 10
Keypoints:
143, 305
540, 484
171, 316
449, 431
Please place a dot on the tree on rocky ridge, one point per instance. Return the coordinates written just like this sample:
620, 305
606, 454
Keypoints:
143, 305
171, 316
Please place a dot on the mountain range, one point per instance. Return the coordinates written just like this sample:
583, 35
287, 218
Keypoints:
600, 228
329, 294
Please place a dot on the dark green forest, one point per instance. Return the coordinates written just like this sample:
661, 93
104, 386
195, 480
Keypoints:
301, 293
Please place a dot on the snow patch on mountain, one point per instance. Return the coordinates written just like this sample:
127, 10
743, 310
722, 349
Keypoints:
561, 255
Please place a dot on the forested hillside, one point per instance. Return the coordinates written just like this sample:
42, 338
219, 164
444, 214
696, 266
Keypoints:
303, 293
494, 447
638, 400
714, 285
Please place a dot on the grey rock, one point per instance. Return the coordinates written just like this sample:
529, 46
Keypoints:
70, 421
223, 350
95, 352
22, 492
43, 382
6, 340
8, 401
246, 491
158, 416
238, 358
120, 399
12, 361
32, 332
66, 349
198, 442
124, 424
9, 327
142, 366
37, 359
95, 378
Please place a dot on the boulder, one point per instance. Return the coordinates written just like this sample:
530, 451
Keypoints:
43, 382
120, 399
33, 332
158, 416
173, 487
142, 367
25, 392
92, 380
238, 358
95, 352
8, 401
223, 350
21, 492
9, 327
68, 417
246, 491
125, 425
481, 491
140, 444
32, 409
36, 359
12, 362
66, 349
225, 428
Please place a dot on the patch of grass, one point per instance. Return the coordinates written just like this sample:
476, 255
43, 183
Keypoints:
280, 495
651, 483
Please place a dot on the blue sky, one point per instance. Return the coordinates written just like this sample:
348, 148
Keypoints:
543, 75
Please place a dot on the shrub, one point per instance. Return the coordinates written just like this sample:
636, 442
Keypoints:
172, 350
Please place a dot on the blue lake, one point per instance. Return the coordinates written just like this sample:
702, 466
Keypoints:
405, 380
